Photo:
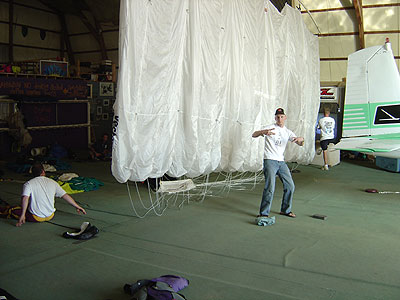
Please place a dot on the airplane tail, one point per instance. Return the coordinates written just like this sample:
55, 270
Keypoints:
372, 101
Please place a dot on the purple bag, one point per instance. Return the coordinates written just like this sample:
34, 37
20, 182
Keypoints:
165, 287
177, 283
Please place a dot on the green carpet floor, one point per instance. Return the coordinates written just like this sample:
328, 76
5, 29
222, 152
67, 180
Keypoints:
353, 254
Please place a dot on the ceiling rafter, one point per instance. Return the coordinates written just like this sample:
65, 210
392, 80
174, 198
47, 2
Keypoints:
64, 31
96, 32
359, 15
75, 8
10, 31
65, 37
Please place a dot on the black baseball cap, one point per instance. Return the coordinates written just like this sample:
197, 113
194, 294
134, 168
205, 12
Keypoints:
279, 111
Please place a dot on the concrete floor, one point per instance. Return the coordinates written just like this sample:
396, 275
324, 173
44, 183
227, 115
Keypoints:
353, 254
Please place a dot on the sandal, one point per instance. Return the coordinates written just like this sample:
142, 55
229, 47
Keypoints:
290, 214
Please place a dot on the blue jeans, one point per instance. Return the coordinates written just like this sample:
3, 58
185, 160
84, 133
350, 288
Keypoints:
271, 169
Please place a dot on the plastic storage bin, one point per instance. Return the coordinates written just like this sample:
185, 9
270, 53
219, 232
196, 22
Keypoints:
389, 164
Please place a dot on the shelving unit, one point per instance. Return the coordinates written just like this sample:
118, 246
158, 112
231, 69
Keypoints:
48, 102
103, 71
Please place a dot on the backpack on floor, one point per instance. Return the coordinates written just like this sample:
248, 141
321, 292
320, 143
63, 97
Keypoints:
165, 287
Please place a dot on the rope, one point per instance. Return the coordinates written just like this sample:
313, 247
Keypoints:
222, 185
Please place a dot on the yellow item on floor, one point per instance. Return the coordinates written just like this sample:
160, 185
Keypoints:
67, 188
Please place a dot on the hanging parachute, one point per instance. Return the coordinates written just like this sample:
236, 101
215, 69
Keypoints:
197, 78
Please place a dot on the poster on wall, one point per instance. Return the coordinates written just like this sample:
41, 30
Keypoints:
106, 89
43, 87
39, 114
54, 68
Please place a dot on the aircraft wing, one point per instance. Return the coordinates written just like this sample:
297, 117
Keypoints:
368, 145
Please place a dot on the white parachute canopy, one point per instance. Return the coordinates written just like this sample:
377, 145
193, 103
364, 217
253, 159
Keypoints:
197, 78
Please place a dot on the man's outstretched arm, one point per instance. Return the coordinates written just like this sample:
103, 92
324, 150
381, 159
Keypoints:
24, 205
71, 201
263, 132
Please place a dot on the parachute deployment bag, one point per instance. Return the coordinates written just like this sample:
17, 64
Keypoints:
165, 287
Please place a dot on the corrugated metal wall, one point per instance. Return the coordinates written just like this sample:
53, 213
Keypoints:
338, 30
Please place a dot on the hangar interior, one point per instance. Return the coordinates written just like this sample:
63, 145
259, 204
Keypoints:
59, 82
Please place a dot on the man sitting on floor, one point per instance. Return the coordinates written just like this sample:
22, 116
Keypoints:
37, 204
101, 150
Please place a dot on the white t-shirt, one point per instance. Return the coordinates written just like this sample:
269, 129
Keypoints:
275, 144
327, 126
41, 191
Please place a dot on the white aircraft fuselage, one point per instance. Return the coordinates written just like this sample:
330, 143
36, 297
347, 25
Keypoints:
371, 120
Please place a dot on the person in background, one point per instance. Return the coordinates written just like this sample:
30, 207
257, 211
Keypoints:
101, 150
327, 126
276, 138
37, 203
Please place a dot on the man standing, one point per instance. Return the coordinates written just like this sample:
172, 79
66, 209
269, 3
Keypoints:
37, 204
327, 126
276, 138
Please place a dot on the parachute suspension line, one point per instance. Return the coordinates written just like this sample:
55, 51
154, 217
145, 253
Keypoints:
148, 209
204, 185
223, 184
295, 165
140, 198
237, 181
255, 180
133, 206
185, 195
229, 180
176, 200
204, 192
157, 203
151, 207
162, 200
226, 188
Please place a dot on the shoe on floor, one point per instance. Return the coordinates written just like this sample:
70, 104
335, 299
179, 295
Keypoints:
87, 232
325, 168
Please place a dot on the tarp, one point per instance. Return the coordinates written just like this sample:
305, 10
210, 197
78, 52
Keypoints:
197, 78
